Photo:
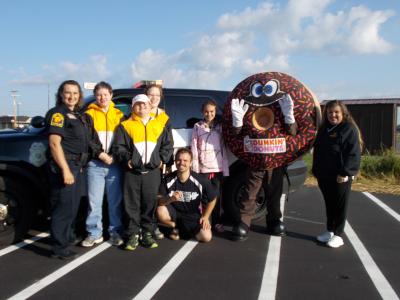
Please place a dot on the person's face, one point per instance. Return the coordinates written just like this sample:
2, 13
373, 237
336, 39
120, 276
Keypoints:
209, 113
335, 115
183, 162
141, 109
103, 97
154, 96
70, 95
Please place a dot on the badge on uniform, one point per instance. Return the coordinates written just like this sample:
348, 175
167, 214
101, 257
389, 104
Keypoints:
333, 135
57, 120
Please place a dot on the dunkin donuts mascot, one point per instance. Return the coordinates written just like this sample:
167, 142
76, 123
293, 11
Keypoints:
269, 121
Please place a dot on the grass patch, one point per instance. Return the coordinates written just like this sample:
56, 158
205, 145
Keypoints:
378, 173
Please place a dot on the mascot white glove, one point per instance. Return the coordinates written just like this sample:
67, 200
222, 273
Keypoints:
287, 105
239, 109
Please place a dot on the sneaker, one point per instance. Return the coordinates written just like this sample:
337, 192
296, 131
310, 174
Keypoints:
158, 235
335, 242
174, 235
132, 243
91, 241
325, 237
116, 239
148, 241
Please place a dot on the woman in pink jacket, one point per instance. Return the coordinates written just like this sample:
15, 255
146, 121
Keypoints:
209, 153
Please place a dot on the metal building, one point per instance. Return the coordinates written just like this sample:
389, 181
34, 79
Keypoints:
378, 120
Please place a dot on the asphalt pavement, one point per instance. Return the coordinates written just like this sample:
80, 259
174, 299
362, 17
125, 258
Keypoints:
263, 267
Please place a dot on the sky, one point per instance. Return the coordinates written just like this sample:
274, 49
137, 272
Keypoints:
339, 49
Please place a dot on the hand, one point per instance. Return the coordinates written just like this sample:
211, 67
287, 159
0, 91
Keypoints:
130, 164
68, 177
107, 159
342, 179
205, 223
287, 106
239, 109
176, 196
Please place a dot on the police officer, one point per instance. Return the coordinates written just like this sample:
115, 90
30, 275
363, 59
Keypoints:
69, 137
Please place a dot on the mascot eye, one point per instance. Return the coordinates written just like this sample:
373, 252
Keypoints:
270, 88
256, 89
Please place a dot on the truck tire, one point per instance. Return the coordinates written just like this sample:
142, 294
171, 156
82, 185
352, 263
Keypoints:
233, 190
20, 209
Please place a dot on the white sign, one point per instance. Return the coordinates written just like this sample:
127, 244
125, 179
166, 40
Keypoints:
89, 85
264, 146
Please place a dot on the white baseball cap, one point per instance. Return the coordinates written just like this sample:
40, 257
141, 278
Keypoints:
140, 98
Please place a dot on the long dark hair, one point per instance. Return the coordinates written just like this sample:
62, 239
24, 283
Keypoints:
347, 117
59, 99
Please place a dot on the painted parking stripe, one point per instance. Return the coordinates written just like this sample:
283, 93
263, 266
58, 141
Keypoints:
23, 243
382, 285
383, 205
161, 277
271, 269
49, 279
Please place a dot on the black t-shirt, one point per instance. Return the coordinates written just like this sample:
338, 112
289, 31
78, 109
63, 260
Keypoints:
71, 127
195, 191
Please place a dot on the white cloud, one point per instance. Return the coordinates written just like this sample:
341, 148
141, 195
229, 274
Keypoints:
364, 35
204, 65
308, 25
270, 63
94, 70
249, 18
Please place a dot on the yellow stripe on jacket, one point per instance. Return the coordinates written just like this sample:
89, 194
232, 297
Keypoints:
161, 116
144, 137
105, 123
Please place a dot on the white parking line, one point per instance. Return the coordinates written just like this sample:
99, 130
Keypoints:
23, 243
383, 205
49, 279
161, 277
271, 269
382, 285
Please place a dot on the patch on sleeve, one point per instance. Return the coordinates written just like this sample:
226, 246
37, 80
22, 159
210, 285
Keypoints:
57, 120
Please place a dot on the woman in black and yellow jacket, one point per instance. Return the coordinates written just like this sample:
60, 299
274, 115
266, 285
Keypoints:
142, 145
336, 160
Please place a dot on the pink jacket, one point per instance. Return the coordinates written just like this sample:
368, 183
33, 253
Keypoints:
208, 148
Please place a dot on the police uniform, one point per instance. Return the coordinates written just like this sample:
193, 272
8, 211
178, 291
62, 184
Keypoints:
75, 132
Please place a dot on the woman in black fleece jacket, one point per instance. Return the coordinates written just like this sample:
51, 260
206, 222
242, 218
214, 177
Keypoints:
336, 160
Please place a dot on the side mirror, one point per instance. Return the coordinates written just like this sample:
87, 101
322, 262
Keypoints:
38, 122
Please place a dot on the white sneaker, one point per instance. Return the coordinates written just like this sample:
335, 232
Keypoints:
325, 237
335, 242
91, 241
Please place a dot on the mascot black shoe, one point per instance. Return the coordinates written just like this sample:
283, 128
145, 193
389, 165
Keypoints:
276, 228
240, 232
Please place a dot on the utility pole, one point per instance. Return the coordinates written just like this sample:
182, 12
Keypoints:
48, 96
14, 96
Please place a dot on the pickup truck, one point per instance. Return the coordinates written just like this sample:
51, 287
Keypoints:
24, 187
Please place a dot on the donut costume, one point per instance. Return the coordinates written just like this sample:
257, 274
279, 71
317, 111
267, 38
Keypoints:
269, 120
264, 141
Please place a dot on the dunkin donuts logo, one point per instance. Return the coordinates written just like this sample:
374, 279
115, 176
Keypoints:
277, 145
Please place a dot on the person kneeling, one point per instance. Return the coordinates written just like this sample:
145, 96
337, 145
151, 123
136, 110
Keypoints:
182, 195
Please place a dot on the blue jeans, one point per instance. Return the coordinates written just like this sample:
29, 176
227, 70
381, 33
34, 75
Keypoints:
104, 178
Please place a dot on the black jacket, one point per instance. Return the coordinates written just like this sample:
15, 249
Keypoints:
336, 151
145, 145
